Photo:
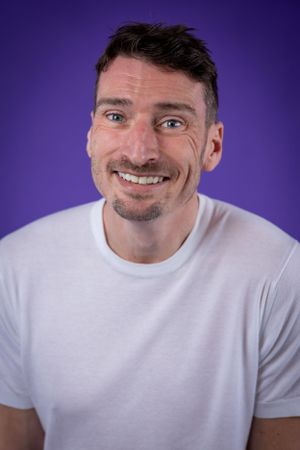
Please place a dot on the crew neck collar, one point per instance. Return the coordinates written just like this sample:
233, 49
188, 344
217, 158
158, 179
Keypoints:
164, 267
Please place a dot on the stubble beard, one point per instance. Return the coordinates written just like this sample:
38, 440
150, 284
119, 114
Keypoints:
139, 212
122, 208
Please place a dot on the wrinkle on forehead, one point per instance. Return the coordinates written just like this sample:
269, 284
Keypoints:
130, 76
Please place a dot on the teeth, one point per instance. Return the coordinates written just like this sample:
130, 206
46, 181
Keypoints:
140, 180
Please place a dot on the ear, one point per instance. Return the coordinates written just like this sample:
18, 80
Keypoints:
214, 147
88, 143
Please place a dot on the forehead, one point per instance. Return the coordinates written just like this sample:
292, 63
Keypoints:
140, 80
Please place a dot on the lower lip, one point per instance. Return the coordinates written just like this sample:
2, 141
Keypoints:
139, 187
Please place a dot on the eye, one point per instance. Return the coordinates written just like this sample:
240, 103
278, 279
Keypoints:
171, 123
115, 117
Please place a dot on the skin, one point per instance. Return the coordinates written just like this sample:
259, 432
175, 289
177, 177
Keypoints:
275, 434
149, 134
150, 122
20, 429
139, 127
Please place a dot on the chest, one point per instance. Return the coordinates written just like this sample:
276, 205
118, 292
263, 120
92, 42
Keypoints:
129, 345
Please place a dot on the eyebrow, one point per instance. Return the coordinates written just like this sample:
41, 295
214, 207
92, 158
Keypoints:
175, 106
164, 106
113, 101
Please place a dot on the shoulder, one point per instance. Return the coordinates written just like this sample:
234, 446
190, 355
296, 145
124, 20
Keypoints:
53, 231
251, 241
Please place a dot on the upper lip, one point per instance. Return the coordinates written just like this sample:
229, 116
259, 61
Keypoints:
139, 175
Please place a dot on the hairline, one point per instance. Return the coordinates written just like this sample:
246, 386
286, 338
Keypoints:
167, 68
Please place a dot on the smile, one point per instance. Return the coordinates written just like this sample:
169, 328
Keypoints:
140, 180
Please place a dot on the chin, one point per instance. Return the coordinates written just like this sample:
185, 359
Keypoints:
147, 214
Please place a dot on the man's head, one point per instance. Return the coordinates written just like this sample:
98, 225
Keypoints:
154, 126
172, 47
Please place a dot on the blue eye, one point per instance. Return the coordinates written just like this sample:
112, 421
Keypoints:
171, 123
115, 117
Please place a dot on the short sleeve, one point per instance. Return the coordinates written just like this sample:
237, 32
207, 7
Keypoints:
13, 390
278, 385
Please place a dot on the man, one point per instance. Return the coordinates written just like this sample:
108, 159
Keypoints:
156, 318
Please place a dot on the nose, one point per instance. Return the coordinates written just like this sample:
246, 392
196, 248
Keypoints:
141, 145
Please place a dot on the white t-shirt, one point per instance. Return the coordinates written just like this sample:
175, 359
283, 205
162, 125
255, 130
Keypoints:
177, 355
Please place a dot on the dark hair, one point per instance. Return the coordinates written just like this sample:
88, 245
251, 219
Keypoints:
173, 47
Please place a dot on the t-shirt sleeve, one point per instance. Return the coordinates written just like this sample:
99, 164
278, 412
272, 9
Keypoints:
278, 385
13, 391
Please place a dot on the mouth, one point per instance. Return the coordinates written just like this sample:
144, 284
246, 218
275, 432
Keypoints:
144, 180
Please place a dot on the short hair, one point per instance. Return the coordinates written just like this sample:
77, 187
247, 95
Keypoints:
173, 47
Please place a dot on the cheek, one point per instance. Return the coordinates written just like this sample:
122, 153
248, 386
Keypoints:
198, 149
99, 175
189, 155
193, 163
104, 141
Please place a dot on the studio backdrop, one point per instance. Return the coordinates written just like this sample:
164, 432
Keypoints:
48, 53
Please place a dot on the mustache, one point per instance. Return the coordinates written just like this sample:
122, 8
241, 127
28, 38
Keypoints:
159, 168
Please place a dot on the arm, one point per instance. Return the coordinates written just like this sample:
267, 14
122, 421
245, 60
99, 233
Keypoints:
275, 434
20, 429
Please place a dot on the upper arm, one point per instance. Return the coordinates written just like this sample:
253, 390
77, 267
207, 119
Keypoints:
20, 429
275, 434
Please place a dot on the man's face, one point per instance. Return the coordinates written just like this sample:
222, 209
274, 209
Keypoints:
148, 140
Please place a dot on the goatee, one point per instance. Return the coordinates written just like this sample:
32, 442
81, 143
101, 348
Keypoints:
152, 212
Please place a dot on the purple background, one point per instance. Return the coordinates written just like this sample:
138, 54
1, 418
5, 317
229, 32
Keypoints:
47, 78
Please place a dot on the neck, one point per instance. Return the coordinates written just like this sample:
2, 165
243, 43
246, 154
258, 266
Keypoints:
152, 241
